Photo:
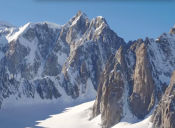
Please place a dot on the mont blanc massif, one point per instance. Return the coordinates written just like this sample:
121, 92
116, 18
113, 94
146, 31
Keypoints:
85, 60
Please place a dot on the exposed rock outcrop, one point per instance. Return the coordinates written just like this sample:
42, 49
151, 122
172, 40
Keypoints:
111, 89
164, 115
143, 87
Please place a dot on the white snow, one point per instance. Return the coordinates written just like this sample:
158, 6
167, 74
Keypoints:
74, 117
90, 92
161, 61
75, 21
142, 124
16, 35
78, 117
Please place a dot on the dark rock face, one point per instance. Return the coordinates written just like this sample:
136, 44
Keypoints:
164, 115
52, 68
46, 89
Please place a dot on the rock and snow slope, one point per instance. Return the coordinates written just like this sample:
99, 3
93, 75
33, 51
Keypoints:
47, 61
137, 76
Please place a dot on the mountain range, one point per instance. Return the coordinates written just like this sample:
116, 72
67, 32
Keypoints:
84, 58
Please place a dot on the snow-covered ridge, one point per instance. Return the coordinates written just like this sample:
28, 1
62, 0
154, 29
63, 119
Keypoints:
24, 28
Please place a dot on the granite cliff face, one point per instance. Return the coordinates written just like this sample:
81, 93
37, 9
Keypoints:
136, 76
110, 92
49, 61
143, 85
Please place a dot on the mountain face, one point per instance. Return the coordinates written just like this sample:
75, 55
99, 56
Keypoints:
134, 79
48, 61
164, 115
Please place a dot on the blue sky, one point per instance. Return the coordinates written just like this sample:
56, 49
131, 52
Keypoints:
130, 20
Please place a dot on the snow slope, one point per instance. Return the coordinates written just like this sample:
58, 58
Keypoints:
74, 117
78, 117
142, 124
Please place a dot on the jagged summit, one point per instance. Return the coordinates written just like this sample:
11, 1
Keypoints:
81, 18
99, 23
80, 13
78, 18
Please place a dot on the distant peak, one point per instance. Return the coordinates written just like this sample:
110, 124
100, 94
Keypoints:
5, 24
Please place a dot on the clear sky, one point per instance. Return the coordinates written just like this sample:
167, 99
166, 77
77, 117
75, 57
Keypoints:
130, 20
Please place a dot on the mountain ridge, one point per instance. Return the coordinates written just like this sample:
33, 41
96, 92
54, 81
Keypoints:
43, 58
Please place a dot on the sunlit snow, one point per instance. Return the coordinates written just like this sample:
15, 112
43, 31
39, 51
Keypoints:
78, 117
